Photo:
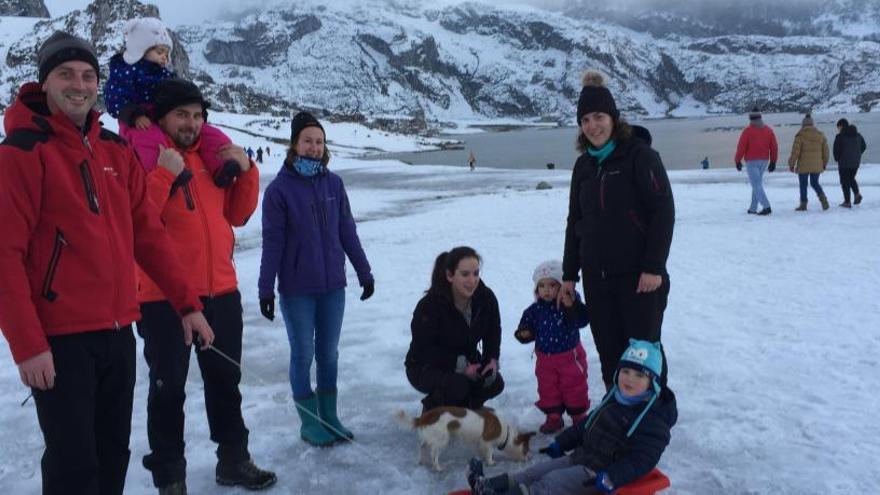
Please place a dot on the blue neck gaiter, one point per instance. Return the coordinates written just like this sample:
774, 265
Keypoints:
602, 153
307, 167
631, 401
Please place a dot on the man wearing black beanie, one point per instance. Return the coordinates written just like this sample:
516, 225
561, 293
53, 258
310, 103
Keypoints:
72, 197
199, 215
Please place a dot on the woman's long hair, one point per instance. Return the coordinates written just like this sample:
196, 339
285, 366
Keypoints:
448, 261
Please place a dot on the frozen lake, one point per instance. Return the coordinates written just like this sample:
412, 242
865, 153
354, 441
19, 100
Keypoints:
682, 143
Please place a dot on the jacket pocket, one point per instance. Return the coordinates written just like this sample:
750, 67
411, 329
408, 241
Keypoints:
91, 191
58, 247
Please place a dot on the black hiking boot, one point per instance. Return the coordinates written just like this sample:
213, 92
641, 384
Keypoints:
765, 211
178, 488
244, 474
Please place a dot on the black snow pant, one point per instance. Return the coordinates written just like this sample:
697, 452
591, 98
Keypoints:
86, 416
168, 359
848, 182
618, 313
447, 388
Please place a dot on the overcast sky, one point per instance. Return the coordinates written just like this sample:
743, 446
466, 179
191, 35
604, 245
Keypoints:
176, 12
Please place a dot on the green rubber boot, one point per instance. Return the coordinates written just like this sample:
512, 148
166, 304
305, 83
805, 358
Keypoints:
311, 430
327, 410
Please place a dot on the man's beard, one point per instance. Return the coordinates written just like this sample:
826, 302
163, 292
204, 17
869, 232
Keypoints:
184, 138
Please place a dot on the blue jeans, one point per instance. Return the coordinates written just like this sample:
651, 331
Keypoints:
814, 181
755, 169
313, 323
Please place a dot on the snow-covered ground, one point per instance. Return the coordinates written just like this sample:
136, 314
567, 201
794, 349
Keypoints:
770, 333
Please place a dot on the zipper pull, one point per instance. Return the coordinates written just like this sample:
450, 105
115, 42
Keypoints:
88, 145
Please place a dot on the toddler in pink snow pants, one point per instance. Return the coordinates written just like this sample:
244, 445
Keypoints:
561, 367
128, 94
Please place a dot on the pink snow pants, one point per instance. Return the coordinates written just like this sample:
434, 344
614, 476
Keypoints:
146, 144
562, 382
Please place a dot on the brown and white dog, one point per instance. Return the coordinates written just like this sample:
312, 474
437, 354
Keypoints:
481, 427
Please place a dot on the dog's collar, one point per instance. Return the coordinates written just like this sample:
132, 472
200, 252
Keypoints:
506, 438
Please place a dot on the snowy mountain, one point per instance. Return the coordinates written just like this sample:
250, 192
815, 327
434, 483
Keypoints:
857, 19
405, 59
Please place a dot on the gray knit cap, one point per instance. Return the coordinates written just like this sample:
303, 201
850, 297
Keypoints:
63, 47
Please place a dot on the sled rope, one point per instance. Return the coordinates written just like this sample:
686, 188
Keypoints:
314, 416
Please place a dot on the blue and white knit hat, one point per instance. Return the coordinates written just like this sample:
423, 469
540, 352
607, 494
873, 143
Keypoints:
644, 356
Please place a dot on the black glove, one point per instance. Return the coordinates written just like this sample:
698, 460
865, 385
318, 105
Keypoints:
225, 176
369, 288
553, 450
267, 307
739, 167
771, 167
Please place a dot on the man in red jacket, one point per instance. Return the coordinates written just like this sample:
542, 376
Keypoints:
199, 217
75, 217
757, 144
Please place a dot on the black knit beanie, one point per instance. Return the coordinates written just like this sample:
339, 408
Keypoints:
62, 47
755, 114
595, 97
172, 93
301, 121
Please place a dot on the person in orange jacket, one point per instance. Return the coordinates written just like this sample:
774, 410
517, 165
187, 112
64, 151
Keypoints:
75, 217
199, 216
757, 144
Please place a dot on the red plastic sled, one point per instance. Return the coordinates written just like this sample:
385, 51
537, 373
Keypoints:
648, 484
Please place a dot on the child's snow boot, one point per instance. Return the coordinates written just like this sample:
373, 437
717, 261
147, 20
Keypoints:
327, 411
502, 483
553, 424
475, 471
824, 200
311, 430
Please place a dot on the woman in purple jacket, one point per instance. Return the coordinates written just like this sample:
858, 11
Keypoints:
308, 230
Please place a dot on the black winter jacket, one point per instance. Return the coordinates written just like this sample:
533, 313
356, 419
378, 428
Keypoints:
620, 214
600, 442
848, 148
440, 333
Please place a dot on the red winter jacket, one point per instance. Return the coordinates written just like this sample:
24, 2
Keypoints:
199, 217
75, 215
756, 143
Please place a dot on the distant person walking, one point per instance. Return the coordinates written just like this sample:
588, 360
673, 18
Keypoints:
250, 153
472, 160
757, 144
259, 155
848, 148
267, 151
809, 158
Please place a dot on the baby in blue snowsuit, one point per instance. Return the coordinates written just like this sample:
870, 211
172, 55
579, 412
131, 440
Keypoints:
620, 441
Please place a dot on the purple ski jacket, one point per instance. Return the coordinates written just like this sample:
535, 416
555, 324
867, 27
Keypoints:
308, 230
